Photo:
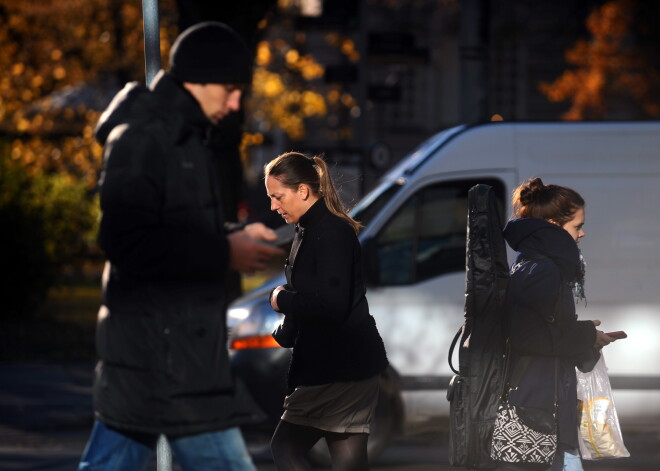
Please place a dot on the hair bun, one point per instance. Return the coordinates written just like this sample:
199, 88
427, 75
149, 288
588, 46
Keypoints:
530, 190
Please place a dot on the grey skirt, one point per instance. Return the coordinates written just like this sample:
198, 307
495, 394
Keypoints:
345, 407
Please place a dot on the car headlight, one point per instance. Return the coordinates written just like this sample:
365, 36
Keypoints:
252, 326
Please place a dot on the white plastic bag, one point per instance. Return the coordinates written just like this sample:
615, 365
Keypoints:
600, 434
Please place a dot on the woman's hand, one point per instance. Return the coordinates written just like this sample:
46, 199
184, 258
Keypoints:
273, 298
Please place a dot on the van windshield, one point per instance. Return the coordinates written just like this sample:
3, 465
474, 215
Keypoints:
372, 203
369, 206
423, 151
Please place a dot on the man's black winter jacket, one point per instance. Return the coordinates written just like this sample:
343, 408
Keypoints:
161, 334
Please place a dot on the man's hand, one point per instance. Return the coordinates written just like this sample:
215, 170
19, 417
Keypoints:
247, 254
257, 230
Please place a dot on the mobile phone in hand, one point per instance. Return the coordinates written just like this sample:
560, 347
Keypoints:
284, 235
619, 334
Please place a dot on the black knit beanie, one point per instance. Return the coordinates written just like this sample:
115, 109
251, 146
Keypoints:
210, 52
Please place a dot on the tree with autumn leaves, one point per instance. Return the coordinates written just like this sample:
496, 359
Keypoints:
615, 74
60, 63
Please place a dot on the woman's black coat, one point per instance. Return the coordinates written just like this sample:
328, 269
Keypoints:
542, 323
337, 339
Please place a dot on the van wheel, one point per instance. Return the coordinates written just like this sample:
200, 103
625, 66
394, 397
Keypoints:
383, 425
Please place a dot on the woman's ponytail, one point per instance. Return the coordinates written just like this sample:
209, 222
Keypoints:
328, 192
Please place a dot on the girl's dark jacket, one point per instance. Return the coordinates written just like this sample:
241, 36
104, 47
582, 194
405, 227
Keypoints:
337, 338
161, 333
539, 331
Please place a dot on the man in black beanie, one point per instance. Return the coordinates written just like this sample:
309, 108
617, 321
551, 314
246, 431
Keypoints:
161, 335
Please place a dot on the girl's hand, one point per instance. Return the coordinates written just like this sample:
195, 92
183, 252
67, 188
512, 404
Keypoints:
602, 338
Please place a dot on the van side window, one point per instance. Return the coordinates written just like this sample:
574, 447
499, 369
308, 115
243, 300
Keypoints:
425, 238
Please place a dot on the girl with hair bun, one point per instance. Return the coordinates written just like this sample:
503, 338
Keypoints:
338, 353
542, 324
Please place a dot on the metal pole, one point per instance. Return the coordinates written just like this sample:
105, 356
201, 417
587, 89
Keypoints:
163, 455
152, 66
151, 38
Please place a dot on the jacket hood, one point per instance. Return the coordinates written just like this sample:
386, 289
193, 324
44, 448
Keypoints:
135, 103
120, 108
530, 236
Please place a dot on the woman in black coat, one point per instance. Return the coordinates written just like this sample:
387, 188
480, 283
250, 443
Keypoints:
337, 350
542, 323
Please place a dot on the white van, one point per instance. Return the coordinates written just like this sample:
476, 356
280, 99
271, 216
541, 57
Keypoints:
414, 249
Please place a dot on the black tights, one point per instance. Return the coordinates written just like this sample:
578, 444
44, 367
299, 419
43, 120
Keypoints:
291, 442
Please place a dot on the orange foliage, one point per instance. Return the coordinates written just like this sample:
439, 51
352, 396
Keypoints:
288, 87
609, 70
60, 62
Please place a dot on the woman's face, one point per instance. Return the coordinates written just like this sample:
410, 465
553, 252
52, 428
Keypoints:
289, 203
574, 226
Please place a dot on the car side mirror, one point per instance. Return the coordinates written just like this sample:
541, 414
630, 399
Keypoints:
370, 263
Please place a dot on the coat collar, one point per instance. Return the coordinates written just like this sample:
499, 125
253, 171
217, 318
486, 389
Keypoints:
173, 93
165, 100
313, 215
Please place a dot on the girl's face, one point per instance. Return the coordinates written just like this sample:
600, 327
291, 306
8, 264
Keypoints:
289, 203
574, 226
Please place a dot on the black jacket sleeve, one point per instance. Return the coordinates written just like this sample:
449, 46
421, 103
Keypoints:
542, 317
132, 232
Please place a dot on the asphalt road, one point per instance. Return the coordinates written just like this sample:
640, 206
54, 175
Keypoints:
45, 418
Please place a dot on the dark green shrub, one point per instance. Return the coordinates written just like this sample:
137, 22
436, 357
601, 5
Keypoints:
47, 222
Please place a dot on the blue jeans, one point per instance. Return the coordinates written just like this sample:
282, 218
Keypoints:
572, 462
109, 450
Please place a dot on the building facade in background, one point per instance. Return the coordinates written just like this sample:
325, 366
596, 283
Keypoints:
415, 68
